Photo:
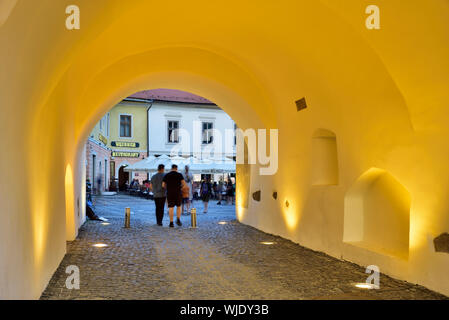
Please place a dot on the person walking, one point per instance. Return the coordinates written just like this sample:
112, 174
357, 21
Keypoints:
215, 190
99, 185
229, 192
173, 183
233, 191
185, 191
188, 178
206, 191
220, 191
158, 193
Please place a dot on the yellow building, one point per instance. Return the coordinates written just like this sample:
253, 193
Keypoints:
128, 139
376, 116
118, 140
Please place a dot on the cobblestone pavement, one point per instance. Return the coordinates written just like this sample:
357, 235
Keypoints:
215, 261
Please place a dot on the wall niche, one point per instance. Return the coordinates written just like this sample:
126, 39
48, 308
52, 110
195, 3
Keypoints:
377, 214
324, 158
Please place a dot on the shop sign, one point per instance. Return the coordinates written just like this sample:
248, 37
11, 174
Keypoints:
123, 154
102, 138
125, 144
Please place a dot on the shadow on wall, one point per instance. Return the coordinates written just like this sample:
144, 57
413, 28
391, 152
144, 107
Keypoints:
377, 214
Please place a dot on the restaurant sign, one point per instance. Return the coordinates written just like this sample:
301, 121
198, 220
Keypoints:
125, 154
125, 144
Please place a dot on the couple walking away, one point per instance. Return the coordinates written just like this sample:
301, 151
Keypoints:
168, 187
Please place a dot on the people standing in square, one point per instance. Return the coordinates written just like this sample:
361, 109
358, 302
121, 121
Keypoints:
173, 183
187, 190
159, 193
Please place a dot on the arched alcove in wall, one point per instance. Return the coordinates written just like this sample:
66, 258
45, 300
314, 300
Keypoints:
324, 158
377, 214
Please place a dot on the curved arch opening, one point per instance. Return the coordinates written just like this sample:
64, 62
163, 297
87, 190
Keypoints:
236, 92
155, 123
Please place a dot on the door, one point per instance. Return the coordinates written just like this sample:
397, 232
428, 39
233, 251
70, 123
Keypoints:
123, 178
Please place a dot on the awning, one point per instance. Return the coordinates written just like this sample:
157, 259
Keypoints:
205, 166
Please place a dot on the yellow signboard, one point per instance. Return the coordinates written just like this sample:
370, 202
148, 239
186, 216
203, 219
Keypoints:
125, 154
102, 139
124, 144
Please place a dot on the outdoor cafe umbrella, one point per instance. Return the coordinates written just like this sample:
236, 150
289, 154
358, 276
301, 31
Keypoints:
151, 163
211, 166
141, 165
205, 166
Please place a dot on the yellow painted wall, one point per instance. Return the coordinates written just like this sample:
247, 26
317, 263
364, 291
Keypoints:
138, 111
382, 92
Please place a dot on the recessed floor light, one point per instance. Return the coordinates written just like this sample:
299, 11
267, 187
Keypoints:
105, 223
100, 245
222, 222
364, 285
268, 243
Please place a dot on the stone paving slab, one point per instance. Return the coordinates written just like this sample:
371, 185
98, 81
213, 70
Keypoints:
214, 261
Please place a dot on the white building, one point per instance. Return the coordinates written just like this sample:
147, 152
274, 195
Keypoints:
183, 123
186, 123
172, 128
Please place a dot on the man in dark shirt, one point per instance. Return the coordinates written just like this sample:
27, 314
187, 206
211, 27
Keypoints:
158, 193
173, 182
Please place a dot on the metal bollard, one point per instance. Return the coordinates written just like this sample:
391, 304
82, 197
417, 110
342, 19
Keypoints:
193, 218
127, 217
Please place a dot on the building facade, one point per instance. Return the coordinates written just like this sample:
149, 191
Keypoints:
153, 123
98, 155
172, 129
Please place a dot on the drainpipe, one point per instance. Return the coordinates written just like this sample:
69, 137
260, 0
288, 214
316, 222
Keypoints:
148, 133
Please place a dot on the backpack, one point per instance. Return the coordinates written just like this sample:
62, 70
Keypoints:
205, 188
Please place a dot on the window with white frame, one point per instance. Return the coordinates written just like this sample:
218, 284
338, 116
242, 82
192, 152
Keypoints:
125, 126
207, 132
173, 131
